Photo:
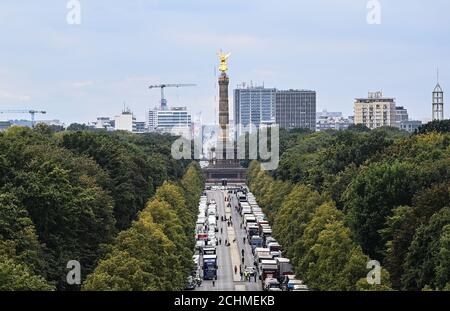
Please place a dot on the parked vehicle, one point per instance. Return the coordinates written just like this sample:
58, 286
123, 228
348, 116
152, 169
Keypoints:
284, 267
271, 284
209, 267
256, 242
268, 271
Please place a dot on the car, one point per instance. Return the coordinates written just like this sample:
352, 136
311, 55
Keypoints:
190, 283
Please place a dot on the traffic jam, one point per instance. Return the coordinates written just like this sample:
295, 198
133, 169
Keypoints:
273, 271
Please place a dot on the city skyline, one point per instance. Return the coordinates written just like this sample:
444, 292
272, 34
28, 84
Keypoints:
79, 72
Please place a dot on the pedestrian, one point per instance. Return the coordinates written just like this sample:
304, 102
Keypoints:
214, 282
235, 269
255, 277
230, 218
226, 242
243, 260
220, 241
241, 275
244, 240
221, 231
242, 252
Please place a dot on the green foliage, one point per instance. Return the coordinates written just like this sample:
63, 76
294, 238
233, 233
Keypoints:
63, 193
339, 263
426, 259
388, 186
440, 126
371, 197
156, 252
294, 215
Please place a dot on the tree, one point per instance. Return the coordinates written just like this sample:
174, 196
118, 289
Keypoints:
324, 215
293, 216
120, 272
437, 126
339, 263
372, 196
423, 259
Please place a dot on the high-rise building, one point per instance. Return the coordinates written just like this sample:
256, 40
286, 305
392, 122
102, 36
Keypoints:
438, 103
401, 115
253, 107
331, 121
296, 109
124, 122
375, 111
176, 120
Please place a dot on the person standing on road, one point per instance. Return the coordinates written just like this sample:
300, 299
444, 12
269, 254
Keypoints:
221, 230
214, 282
244, 240
235, 269
242, 252
255, 277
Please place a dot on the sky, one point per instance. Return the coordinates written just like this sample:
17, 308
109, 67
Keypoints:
79, 72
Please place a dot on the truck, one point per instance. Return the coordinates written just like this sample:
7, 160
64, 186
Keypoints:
249, 218
209, 250
284, 267
212, 221
252, 229
209, 267
269, 271
255, 242
273, 246
266, 233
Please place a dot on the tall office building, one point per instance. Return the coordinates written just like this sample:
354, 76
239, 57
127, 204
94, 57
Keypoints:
296, 109
375, 111
124, 122
176, 120
438, 103
253, 107
401, 115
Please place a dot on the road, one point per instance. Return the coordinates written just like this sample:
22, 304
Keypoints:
230, 256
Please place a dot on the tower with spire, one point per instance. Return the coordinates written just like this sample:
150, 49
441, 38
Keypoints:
438, 101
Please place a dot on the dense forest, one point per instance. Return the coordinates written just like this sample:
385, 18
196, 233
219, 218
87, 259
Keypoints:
88, 196
340, 199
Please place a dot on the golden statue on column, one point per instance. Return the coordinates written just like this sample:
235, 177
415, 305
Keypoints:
223, 67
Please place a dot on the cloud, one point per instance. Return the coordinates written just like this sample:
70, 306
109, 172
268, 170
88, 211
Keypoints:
81, 84
231, 41
11, 96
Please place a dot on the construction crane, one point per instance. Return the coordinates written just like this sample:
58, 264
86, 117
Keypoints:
31, 112
162, 87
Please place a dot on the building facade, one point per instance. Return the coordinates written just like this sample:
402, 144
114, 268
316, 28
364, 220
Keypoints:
375, 111
296, 109
401, 115
176, 120
253, 107
338, 123
410, 126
